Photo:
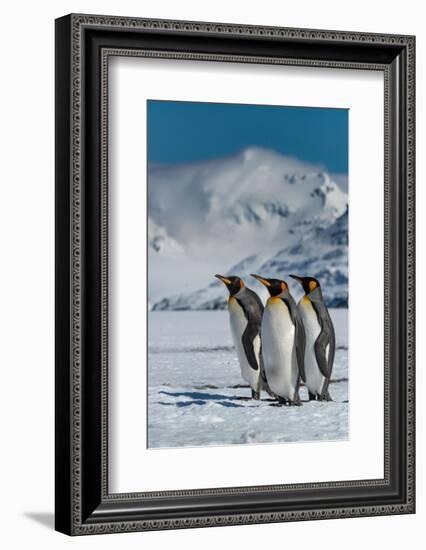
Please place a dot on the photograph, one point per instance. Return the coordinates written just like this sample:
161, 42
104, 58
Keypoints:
248, 284
234, 275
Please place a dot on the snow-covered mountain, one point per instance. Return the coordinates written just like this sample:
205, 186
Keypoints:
257, 211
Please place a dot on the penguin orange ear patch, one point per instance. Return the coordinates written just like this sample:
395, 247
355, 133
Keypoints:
283, 286
312, 285
241, 283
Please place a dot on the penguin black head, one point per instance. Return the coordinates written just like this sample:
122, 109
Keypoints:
232, 282
309, 284
274, 286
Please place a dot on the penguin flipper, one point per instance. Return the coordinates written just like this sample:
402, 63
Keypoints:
300, 340
299, 335
247, 338
325, 339
262, 370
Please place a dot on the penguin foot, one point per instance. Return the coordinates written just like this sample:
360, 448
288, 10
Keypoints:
312, 396
296, 403
282, 402
255, 395
325, 397
296, 400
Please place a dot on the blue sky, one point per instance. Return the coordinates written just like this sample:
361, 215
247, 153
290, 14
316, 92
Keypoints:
181, 132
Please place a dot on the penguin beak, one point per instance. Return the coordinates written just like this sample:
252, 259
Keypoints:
261, 279
298, 279
223, 279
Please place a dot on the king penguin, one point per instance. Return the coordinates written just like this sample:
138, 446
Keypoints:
283, 342
320, 339
245, 316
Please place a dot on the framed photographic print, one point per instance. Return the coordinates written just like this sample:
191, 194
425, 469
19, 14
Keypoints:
234, 274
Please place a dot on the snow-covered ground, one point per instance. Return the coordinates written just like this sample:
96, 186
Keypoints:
196, 395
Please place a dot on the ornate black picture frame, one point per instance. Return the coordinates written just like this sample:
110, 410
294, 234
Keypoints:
83, 45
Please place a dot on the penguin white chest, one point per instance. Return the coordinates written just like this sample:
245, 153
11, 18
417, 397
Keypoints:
279, 349
238, 322
314, 378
